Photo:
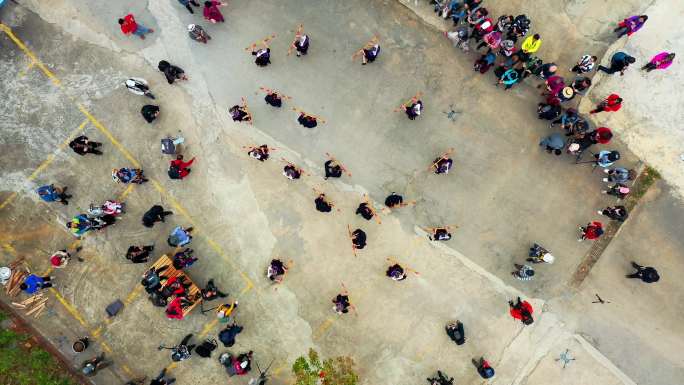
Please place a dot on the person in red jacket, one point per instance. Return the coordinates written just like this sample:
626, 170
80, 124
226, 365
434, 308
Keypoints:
592, 230
179, 169
610, 104
601, 135
521, 310
130, 26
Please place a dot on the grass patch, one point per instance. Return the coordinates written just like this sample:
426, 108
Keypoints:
23, 362
647, 178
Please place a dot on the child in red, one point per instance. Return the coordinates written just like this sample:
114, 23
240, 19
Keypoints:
591, 231
612, 103
179, 169
130, 26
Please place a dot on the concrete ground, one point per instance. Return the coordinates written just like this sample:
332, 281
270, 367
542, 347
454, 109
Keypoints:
504, 193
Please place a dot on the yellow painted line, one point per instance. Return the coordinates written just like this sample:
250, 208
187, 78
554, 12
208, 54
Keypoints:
8, 200
10, 249
72, 310
48, 271
325, 326
134, 294
124, 152
109, 136
128, 370
126, 192
96, 332
105, 347
72, 134
171, 366
207, 328
197, 230
247, 288
22, 46
47, 161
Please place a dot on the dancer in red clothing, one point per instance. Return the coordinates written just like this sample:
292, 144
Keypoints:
179, 169
592, 230
212, 12
612, 103
521, 310
130, 26
601, 135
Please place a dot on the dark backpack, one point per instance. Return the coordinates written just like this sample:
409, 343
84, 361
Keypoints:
167, 146
174, 172
549, 111
205, 348
323, 206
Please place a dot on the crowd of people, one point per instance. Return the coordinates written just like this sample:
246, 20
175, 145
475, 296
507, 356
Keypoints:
504, 44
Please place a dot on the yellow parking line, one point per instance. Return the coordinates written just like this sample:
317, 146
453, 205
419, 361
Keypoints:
325, 326
134, 294
207, 328
8, 200
134, 162
247, 288
70, 308
105, 347
46, 162
20, 44
128, 370
109, 136
24, 72
126, 192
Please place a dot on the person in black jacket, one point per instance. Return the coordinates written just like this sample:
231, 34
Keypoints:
616, 213
646, 274
149, 112
455, 331
171, 71
81, 145
155, 214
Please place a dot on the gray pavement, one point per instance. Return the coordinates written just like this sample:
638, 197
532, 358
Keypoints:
504, 192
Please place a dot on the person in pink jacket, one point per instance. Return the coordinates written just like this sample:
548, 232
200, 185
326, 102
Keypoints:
659, 61
212, 12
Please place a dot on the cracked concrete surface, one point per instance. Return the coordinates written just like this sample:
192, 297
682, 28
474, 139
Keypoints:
251, 213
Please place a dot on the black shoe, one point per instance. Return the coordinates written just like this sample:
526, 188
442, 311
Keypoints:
636, 265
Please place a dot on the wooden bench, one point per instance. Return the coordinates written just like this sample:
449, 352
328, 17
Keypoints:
193, 291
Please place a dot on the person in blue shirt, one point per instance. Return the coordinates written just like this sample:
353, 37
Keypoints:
618, 63
180, 237
606, 158
50, 193
33, 283
79, 225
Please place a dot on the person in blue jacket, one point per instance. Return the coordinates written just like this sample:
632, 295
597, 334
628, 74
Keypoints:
33, 283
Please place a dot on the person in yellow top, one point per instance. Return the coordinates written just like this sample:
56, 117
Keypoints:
531, 44
224, 311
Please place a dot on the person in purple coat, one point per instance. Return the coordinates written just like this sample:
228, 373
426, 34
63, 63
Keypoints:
630, 25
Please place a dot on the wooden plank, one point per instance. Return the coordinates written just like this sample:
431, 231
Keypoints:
193, 290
